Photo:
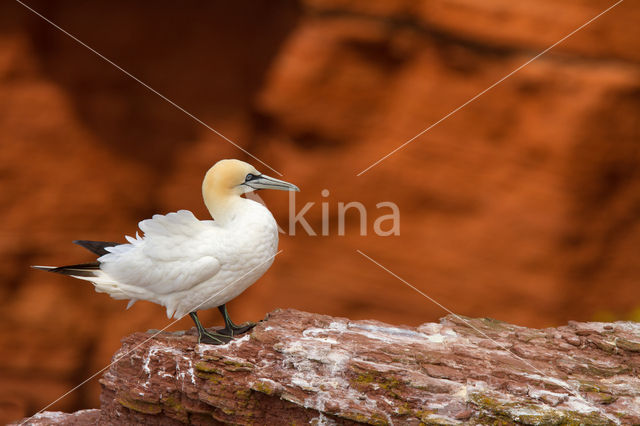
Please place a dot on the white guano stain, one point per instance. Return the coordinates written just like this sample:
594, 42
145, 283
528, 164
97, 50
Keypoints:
391, 335
181, 374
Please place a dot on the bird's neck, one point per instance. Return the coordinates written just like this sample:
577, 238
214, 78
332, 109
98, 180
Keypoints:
222, 206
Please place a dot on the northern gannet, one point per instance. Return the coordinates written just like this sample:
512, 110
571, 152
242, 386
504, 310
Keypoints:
186, 264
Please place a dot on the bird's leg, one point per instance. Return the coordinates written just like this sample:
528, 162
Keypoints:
230, 329
208, 337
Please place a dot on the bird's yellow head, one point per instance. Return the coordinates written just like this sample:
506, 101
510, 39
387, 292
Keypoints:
228, 179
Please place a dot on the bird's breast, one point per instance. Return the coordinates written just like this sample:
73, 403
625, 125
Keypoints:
251, 239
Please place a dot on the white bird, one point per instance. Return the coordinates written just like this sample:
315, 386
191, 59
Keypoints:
186, 264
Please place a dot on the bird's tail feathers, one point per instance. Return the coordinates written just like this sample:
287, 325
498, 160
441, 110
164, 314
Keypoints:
81, 270
43, 268
102, 282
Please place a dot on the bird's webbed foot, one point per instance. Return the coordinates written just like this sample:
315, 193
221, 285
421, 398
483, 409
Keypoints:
236, 330
230, 329
213, 338
209, 337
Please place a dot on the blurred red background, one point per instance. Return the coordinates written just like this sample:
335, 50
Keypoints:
523, 206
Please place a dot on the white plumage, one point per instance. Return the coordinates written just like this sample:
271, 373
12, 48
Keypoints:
186, 264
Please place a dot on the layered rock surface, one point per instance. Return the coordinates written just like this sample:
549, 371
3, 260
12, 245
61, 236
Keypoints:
303, 368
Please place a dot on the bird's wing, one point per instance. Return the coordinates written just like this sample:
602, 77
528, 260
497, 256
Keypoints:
97, 247
174, 255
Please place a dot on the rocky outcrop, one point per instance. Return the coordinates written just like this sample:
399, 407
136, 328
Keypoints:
82, 417
302, 368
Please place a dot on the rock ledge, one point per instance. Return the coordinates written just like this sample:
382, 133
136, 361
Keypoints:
297, 367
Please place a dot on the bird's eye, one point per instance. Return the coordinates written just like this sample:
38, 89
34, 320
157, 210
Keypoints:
249, 177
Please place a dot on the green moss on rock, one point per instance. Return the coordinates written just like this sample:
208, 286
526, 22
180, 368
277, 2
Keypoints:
208, 367
499, 412
230, 365
627, 345
263, 387
366, 418
140, 406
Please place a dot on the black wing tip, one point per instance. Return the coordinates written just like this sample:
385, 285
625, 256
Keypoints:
96, 247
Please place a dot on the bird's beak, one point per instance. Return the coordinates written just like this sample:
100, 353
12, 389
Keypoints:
267, 182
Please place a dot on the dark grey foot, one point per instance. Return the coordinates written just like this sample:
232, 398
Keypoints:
230, 329
209, 338
236, 330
